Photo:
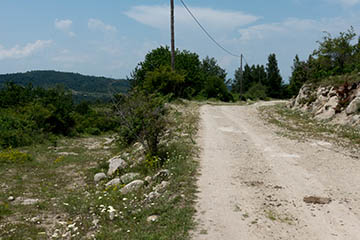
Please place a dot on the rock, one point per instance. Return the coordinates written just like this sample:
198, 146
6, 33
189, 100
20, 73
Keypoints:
153, 218
354, 106
317, 200
35, 220
133, 186
112, 212
95, 222
152, 196
148, 179
332, 92
328, 111
161, 187
30, 201
113, 182
304, 94
11, 198
162, 175
99, 176
116, 163
129, 177
67, 154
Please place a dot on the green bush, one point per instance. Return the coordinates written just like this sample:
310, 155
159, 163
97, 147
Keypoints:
93, 131
256, 92
142, 119
216, 88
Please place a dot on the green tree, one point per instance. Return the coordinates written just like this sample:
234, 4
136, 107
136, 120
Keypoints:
335, 53
298, 76
274, 79
210, 67
187, 64
164, 81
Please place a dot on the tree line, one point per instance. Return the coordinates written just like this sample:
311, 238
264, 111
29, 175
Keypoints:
260, 82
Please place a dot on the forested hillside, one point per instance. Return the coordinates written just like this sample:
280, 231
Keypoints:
83, 87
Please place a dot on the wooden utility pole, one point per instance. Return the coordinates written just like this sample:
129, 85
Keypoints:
172, 35
241, 74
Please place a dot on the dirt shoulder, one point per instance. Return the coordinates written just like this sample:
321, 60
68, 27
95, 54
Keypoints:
253, 182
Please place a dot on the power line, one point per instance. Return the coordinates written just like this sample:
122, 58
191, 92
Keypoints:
245, 60
206, 32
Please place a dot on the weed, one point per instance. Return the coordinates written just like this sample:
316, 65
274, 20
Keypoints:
4, 209
271, 215
14, 156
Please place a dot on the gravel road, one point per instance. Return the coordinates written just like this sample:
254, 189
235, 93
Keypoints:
253, 182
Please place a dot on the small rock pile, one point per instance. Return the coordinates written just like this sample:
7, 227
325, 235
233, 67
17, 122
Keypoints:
131, 182
340, 105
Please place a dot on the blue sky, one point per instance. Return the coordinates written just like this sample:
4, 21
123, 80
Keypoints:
108, 38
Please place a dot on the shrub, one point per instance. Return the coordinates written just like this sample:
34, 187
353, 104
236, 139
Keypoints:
256, 92
142, 119
14, 156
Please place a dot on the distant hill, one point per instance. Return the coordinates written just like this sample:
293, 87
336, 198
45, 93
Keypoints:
83, 87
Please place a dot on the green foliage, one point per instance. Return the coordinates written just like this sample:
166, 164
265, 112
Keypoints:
256, 92
142, 119
258, 82
4, 209
216, 88
190, 79
274, 79
335, 56
164, 81
84, 87
33, 115
298, 76
14, 156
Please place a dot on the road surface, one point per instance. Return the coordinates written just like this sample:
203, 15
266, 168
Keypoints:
253, 182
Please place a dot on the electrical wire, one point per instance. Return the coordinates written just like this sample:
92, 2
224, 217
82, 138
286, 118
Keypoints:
206, 32
245, 60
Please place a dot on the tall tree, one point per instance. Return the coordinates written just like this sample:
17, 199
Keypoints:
274, 79
298, 76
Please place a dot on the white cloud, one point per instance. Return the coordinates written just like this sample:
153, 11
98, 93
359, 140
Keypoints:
294, 27
98, 25
158, 17
347, 3
18, 52
65, 26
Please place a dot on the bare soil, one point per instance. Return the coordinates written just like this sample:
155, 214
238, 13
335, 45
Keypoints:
253, 182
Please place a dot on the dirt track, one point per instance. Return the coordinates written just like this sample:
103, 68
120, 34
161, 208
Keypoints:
252, 182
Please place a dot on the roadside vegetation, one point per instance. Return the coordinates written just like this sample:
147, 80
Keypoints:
298, 125
336, 61
31, 115
49, 191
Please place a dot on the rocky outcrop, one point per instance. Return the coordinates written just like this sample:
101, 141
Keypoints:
339, 105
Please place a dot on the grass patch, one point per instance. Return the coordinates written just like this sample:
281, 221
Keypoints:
72, 206
337, 81
298, 125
